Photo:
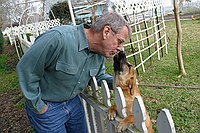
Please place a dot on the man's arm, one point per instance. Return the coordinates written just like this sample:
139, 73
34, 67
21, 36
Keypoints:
102, 75
32, 65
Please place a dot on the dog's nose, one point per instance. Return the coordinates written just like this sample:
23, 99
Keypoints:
121, 54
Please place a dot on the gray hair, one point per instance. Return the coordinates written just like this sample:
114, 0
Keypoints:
112, 19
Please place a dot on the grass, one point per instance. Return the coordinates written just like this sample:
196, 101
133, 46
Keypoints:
8, 76
183, 103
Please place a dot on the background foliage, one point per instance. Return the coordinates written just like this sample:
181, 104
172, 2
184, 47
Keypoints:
61, 11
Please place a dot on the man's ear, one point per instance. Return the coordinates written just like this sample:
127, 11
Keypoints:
106, 31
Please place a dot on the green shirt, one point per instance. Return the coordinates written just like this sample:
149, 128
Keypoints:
57, 67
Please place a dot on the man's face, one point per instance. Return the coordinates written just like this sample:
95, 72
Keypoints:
113, 43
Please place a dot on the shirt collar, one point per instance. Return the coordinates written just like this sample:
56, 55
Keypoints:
83, 44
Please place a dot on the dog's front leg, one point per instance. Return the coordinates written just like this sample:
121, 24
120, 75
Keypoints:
112, 112
123, 125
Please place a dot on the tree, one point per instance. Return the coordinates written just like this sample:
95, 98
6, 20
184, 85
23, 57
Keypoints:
61, 11
179, 39
10, 11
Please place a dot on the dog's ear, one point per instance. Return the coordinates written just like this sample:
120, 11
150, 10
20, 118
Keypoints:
133, 83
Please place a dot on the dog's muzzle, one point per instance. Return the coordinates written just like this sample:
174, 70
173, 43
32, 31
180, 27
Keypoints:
119, 61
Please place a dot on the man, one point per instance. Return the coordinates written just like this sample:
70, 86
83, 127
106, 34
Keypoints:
59, 65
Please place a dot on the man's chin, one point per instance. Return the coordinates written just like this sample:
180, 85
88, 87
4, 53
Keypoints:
110, 56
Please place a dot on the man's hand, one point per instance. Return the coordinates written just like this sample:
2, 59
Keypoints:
43, 110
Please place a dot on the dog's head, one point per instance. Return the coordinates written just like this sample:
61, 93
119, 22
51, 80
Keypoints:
125, 76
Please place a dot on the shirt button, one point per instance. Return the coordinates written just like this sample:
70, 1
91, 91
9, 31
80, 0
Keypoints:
79, 82
83, 70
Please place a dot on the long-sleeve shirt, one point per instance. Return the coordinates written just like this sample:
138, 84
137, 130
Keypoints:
58, 66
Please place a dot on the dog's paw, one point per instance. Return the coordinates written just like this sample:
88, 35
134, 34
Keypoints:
123, 125
112, 114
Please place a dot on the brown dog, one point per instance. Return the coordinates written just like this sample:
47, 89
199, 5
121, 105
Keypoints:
125, 78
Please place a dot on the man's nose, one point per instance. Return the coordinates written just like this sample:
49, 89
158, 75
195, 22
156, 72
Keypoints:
120, 48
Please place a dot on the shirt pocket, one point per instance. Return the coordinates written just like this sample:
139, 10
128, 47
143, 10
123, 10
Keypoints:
66, 72
66, 68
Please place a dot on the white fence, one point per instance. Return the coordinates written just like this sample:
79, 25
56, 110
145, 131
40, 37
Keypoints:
97, 100
23, 36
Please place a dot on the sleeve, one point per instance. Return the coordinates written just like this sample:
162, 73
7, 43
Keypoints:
31, 67
102, 75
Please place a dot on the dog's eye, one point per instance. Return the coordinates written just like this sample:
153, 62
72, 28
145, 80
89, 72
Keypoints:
129, 65
120, 72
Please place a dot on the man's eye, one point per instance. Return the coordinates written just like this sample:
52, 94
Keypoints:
120, 41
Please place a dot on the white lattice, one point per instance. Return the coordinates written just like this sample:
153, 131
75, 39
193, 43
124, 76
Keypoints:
34, 28
126, 7
148, 28
26, 34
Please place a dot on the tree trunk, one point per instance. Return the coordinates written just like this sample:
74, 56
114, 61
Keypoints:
179, 40
94, 8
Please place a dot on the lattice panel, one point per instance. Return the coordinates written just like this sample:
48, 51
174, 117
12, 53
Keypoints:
34, 28
148, 29
126, 7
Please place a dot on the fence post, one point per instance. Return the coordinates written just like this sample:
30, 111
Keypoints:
139, 114
165, 122
99, 122
106, 101
120, 102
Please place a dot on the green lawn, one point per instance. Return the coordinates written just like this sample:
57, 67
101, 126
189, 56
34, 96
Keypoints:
183, 103
8, 76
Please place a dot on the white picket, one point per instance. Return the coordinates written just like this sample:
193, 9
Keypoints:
120, 102
99, 122
165, 122
106, 100
105, 93
139, 114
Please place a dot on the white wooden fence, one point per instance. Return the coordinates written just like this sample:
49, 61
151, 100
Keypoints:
23, 36
97, 100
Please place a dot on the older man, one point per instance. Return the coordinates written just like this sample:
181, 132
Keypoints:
58, 66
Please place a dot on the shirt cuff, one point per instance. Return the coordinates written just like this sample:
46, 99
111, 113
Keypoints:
38, 106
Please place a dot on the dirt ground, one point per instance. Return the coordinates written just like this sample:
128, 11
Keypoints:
12, 120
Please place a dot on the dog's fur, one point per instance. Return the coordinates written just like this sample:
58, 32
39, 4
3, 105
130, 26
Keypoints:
126, 79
